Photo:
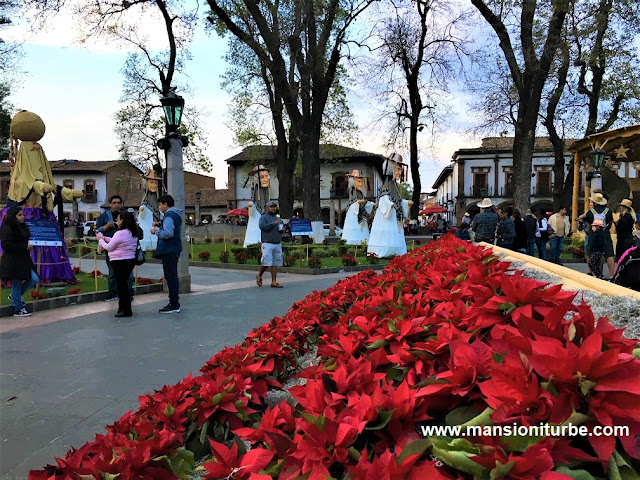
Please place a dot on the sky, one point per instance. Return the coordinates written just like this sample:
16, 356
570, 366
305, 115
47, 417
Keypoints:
76, 88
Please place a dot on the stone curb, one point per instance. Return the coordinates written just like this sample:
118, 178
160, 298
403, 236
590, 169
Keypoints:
58, 302
303, 271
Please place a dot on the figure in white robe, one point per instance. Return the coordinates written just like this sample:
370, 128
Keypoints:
356, 227
387, 230
149, 211
260, 195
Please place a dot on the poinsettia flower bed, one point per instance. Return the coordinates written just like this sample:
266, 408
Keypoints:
444, 336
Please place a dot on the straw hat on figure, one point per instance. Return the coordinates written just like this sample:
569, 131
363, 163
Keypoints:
149, 211
387, 230
356, 229
33, 188
260, 195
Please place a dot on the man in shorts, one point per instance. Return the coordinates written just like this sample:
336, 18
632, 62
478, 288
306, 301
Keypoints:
271, 227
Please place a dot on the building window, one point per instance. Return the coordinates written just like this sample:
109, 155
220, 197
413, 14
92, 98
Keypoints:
68, 184
90, 193
480, 185
543, 185
4, 188
82, 216
508, 184
339, 185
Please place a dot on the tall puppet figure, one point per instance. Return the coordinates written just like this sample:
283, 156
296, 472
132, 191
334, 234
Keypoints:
356, 228
260, 195
149, 211
33, 188
387, 231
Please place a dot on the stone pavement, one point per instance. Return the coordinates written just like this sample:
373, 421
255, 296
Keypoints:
67, 373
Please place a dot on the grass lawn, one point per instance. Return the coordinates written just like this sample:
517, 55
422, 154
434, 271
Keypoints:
86, 285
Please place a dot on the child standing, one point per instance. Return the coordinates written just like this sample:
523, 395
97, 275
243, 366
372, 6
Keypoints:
596, 241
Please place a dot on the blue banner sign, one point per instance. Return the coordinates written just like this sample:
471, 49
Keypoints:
44, 233
300, 226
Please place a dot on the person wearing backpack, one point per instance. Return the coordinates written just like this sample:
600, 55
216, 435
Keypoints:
542, 236
600, 211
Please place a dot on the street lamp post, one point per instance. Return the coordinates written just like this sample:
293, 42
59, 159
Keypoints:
172, 144
597, 158
198, 197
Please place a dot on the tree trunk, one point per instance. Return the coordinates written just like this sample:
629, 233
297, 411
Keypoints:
523, 146
311, 173
414, 164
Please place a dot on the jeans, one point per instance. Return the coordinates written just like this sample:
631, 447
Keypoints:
555, 245
170, 269
542, 248
531, 247
122, 271
18, 289
113, 287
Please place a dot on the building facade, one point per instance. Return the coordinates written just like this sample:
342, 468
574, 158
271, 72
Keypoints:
336, 162
487, 172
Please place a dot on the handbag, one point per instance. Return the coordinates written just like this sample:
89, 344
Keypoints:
140, 257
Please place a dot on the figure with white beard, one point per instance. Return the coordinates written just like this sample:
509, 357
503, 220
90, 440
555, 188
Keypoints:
356, 228
387, 230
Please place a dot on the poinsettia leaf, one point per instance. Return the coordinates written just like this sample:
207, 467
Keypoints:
384, 417
498, 358
506, 307
481, 420
109, 476
203, 432
519, 443
501, 470
392, 327
354, 454
461, 415
619, 469
377, 344
575, 474
456, 454
395, 374
274, 468
181, 463
636, 353
417, 447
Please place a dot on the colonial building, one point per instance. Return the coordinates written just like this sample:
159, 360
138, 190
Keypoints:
487, 172
101, 179
336, 162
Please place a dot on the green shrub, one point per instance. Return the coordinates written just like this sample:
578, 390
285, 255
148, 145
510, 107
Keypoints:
224, 256
253, 250
314, 262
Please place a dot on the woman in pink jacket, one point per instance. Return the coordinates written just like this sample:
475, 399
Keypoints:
122, 253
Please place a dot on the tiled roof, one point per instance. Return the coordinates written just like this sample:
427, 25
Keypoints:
495, 144
80, 166
328, 152
209, 198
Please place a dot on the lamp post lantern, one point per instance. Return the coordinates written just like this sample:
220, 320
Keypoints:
198, 197
597, 159
172, 144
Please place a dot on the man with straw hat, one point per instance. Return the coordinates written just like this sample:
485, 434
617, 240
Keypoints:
484, 224
356, 228
602, 212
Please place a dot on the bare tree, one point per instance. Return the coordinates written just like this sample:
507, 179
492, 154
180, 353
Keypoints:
319, 31
421, 45
529, 71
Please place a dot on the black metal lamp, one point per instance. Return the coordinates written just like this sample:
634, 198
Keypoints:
173, 105
597, 158
198, 196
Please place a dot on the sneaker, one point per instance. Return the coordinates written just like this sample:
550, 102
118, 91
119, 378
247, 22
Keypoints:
21, 313
111, 299
170, 309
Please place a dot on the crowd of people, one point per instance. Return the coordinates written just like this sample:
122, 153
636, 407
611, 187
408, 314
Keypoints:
535, 231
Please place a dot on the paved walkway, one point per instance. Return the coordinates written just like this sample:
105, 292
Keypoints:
67, 373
